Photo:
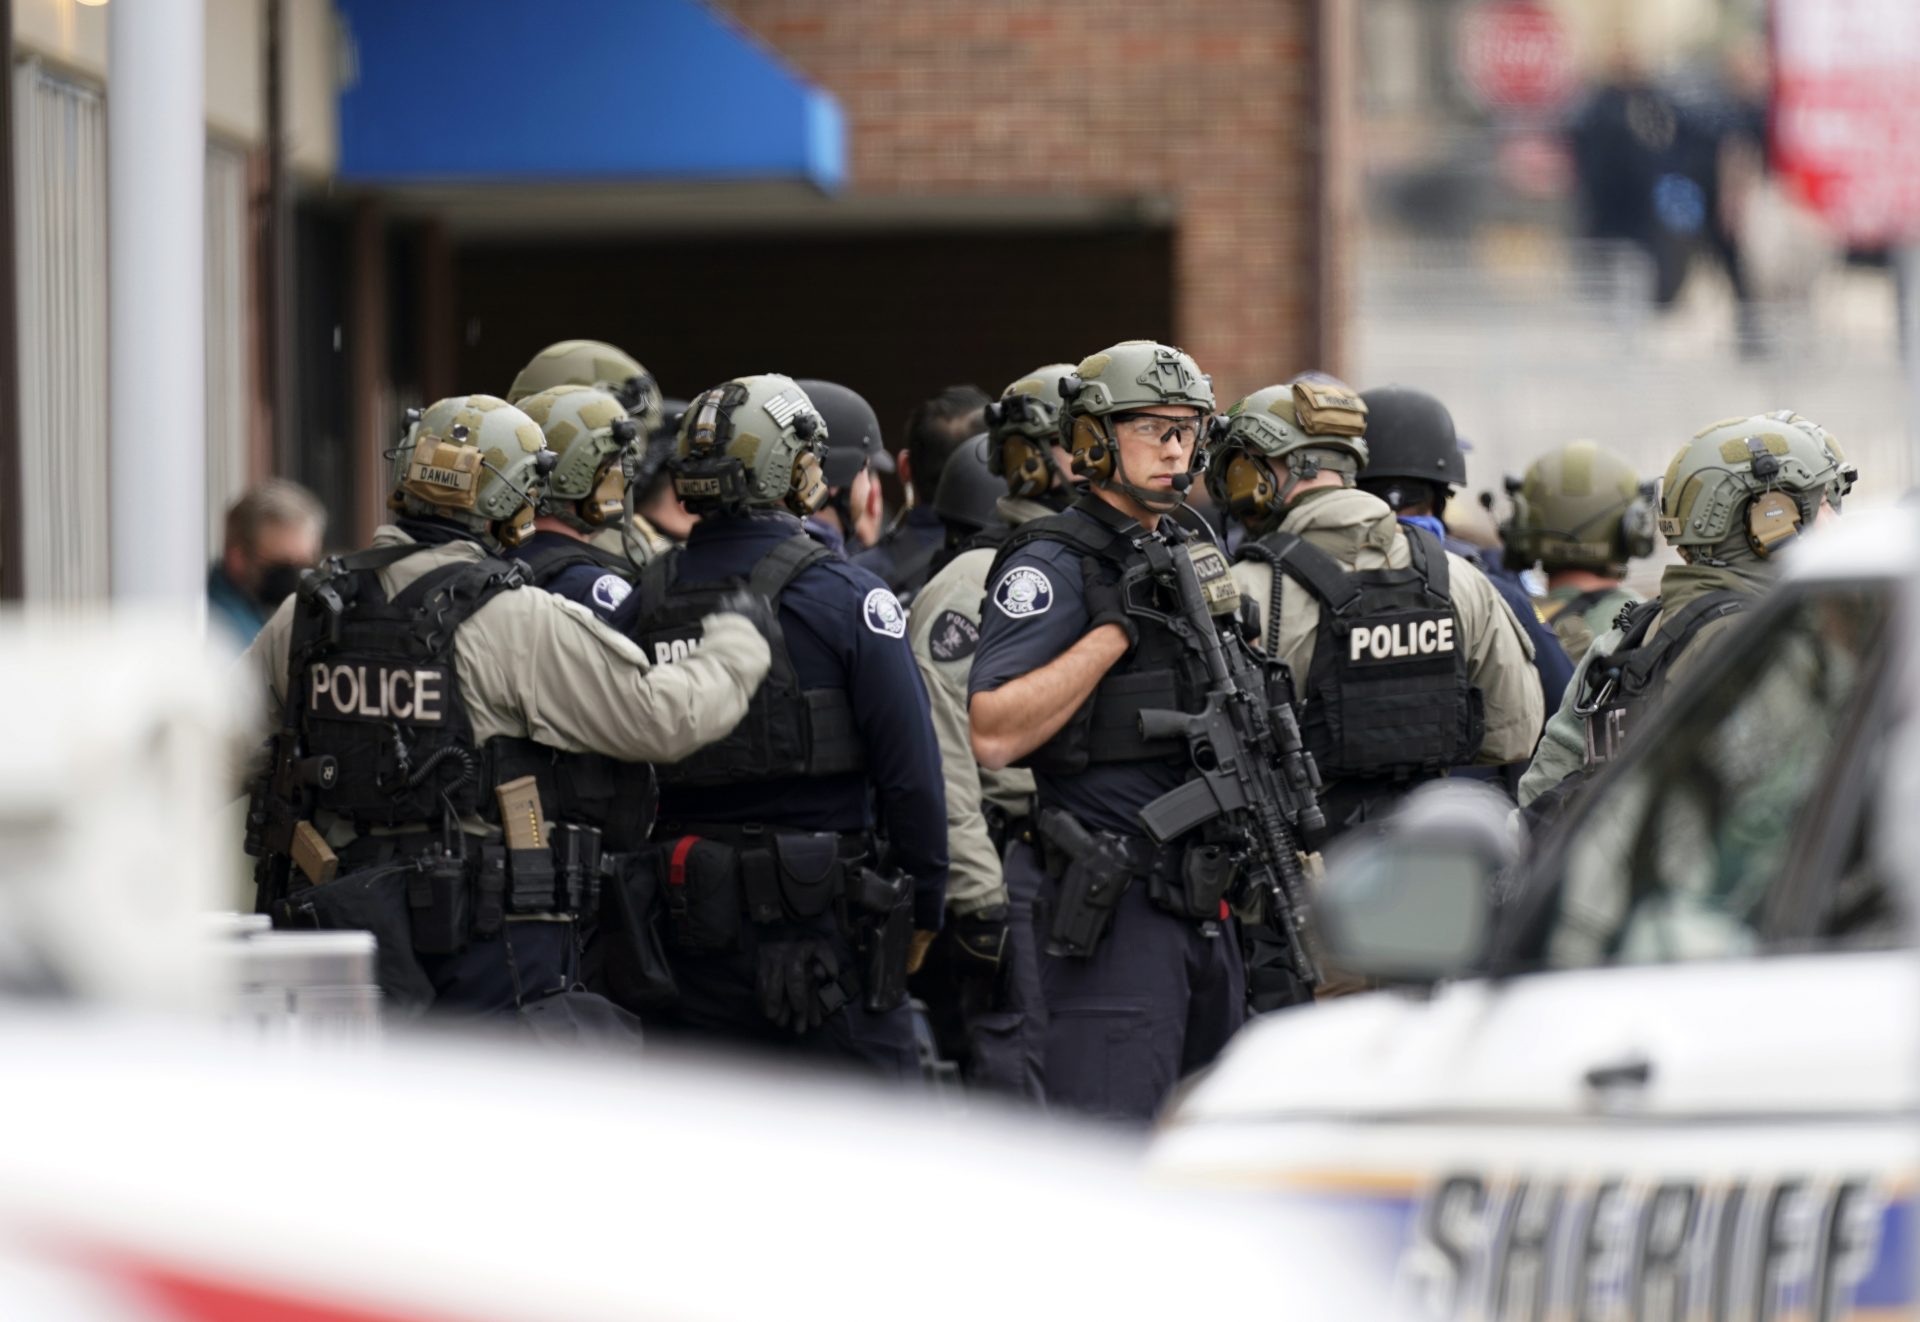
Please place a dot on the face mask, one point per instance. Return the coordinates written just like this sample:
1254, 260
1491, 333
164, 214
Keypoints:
275, 584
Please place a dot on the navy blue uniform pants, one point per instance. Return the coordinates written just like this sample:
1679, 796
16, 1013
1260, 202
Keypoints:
719, 1001
1157, 1000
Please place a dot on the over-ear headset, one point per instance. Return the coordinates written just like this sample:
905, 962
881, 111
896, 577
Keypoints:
1014, 453
1525, 543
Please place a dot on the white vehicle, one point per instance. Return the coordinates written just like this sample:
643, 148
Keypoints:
1673, 1074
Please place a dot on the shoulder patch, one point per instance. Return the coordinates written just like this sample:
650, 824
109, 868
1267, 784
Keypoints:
884, 614
1023, 591
953, 638
609, 590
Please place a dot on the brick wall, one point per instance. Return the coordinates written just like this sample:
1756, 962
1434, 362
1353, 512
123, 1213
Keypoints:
1208, 104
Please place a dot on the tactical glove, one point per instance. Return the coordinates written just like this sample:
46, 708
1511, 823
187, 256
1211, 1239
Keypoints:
1106, 601
798, 980
749, 605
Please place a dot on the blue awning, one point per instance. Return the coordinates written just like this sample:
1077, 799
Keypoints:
614, 90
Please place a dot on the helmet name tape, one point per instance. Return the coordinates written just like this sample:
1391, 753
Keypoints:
443, 472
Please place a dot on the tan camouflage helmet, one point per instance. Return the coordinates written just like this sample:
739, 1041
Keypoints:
600, 365
473, 460
1579, 507
1311, 425
752, 441
589, 434
1768, 472
1023, 426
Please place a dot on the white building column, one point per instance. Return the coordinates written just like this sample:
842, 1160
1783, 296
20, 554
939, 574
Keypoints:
156, 342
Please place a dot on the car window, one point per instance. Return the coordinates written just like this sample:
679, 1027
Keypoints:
1674, 857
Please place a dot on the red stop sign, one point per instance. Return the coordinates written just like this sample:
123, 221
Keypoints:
1515, 55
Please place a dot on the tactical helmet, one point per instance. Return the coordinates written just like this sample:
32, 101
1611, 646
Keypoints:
1580, 507
1023, 426
1131, 375
751, 441
968, 496
1310, 424
649, 456
593, 363
589, 434
1410, 435
473, 460
855, 430
1771, 470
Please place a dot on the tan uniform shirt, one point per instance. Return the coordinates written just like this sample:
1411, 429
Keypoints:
1563, 745
1360, 531
536, 666
943, 646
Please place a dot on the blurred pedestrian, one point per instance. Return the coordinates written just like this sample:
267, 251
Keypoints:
273, 532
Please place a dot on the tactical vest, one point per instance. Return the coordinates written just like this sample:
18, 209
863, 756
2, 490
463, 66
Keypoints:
787, 731
550, 559
1387, 694
377, 690
1618, 685
1162, 671
992, 538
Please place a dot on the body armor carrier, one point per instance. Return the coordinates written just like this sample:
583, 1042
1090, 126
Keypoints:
548, 560
378, 691
1618, 685
1162, 672
787, 731
1387, 696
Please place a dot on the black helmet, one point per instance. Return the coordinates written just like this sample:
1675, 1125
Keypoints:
853, 432
1410, 434
968, 496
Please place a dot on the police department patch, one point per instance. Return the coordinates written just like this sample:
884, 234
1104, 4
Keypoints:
954, 636
1022, 592
609, 590
885, 616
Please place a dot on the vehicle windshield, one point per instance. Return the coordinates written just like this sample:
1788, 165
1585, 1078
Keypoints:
1680, 855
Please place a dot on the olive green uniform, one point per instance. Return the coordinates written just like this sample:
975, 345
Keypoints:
535, 666
1562, 749
1576, 630
1360, 531
973, 877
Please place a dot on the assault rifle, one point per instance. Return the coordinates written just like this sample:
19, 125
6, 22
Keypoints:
281, 800
1254, 776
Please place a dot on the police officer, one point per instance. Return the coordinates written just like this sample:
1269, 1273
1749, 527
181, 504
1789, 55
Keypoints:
1142, 979
1733, 499
784, 924
848, 520
416, 690
1414, 463
600, 365
592, 441
1406, 661
1580, 513
905, 553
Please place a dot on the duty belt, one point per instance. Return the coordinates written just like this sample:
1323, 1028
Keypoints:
579, 868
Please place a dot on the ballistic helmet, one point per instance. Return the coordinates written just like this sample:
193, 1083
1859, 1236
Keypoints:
1761, 478
1131, 375
475, 461
1579, 507
1410, 435
855, 430
1310, 425
968, 496
1023, 426
593, 363
590, 436
754, 441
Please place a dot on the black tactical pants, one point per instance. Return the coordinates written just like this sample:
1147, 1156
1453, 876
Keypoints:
719, 1003
1157, 1000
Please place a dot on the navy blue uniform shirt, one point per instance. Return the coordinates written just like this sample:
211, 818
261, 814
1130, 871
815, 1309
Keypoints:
603, 591
844, 630
902, 556
1035, 610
